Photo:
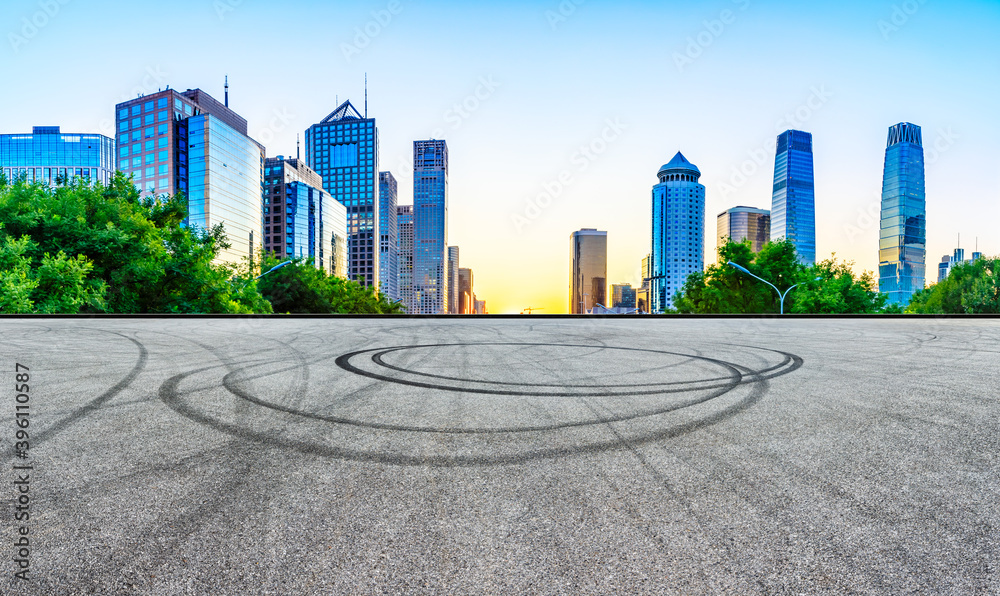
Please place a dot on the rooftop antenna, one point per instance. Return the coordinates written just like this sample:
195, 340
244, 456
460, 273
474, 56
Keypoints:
298, 151
227, 91
366, 95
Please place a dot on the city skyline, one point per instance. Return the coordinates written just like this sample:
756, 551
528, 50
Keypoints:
525, 145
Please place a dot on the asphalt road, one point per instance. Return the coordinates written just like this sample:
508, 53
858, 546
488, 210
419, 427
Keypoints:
497, 456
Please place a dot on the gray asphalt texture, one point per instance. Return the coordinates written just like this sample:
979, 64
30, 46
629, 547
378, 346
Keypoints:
506, 456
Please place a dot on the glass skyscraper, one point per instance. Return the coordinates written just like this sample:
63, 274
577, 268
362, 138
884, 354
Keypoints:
588, 270
404, 222
902, 235
793, 202
343, 149
430, 227
187, 142
453, 304
53, 158
744, 223
678, 230
388, 240
300, 219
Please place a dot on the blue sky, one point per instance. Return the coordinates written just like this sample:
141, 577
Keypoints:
534, 82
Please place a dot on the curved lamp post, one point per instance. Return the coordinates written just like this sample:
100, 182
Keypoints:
780, 295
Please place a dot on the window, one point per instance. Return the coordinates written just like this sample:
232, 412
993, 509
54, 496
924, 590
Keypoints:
161, 129
162, 102
136, 122
162, 183
162, 116
178, 103
137, 148
148, 107
136, 135
123, 151
149, 132
162, 143
162, 170
123, 126
123, 114
149, 158
187, 109
136, 162
149, 145
149, 172
162, 156
135, 110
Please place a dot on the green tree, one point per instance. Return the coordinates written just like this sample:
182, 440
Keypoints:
114, 252
301, 288
972, 287
722, 288
838, 291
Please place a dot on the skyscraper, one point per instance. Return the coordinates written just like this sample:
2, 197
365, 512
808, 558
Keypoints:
187, 142
343, 149
465, 293
388, 240
743, 223
588, 270
48, 156
404, 222
793, 202
430, 227
300, 219
678, 230
902, 238
453, 304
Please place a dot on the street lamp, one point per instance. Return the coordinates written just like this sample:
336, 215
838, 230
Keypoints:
271, 270
782, 296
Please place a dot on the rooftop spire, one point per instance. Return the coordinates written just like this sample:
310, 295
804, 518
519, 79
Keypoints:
227, 91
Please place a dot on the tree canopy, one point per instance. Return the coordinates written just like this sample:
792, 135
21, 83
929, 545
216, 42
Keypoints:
92, 248
722, 288
971, 287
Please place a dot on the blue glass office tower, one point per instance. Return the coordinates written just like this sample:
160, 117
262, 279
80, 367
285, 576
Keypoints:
793, 202
902, 235
343, 149
300, 219
678, 247
48, 156
430, 228
388, 239
404, 223
188, 143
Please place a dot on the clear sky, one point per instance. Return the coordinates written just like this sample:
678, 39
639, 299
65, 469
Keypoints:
520, 89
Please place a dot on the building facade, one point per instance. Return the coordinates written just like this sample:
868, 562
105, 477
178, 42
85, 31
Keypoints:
642, 292
388, 239
588, 270
743, 223
300, 219
343, 149
622, 296
949, 262
186, 142
793, 200
404, 222
902, 234
51, 157
430, 227
465, 291
453, 303
678, 234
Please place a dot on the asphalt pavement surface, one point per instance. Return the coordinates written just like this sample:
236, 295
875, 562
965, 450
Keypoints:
523, 455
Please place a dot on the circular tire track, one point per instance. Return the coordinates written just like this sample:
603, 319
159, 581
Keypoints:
686, 405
